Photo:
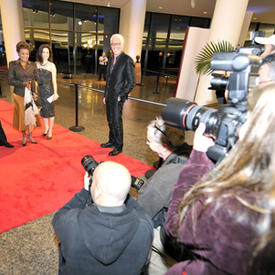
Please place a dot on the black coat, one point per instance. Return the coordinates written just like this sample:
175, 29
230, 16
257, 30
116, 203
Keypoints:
122, 79
94, 242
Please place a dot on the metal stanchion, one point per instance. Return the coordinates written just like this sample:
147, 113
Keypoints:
76, 128
157, 85
1, 95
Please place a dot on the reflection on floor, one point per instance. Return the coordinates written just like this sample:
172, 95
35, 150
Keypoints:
31, 248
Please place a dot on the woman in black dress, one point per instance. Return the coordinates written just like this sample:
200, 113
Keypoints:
47, 87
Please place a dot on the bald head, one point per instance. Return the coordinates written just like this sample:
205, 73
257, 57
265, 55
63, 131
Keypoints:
111, 184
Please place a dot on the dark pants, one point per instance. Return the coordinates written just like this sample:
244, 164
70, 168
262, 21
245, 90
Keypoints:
3, 138
102, 71
114, 117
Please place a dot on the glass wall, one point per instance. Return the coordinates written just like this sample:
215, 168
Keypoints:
78, 33
163, 39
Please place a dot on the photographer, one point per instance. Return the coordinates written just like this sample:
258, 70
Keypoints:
217, 217
168, 143
113, 235
269, 44
267, 70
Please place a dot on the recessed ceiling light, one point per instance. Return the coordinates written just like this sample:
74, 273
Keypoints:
160, 7
255, 18
109, 4
205, 12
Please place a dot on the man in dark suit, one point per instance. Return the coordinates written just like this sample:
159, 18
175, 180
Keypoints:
120, 80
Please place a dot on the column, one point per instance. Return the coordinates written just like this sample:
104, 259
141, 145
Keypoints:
245, 27
226, 25
132, 17
13, 26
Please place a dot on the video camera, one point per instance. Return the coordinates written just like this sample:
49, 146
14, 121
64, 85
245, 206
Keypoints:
221, 124
90, 164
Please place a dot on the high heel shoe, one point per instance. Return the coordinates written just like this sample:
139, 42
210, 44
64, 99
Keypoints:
45, 133
31, 139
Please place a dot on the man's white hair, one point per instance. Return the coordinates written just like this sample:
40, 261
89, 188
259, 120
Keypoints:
119, 36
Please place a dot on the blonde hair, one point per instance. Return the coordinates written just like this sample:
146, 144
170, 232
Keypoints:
119, 36
170, 137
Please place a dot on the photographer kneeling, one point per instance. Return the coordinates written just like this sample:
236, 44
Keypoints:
218, 217
168, 143
112, 235
154, 196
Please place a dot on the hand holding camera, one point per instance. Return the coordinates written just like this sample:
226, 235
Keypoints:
90, 164
202, 142
87, 180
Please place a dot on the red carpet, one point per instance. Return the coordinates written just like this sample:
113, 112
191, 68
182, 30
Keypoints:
38, 179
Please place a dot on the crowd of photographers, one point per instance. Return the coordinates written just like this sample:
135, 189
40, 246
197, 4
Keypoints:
210, 218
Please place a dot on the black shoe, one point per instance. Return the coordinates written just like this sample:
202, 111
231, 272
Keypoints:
107, 145
115, 152
45, 133
8, 145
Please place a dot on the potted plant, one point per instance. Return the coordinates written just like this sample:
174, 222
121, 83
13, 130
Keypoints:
204, 57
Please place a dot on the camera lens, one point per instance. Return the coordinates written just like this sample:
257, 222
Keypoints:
176, 111
187, 115
89, 164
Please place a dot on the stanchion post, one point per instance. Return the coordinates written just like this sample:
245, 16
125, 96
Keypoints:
76, 128
1, 95
157, 85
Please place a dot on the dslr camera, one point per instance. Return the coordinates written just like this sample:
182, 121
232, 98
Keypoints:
90, 164
221, 123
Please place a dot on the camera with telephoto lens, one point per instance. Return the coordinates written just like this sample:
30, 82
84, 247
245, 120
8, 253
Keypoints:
90, 164
221, 123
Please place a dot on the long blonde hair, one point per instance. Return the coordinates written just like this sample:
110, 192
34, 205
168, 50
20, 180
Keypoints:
247, 166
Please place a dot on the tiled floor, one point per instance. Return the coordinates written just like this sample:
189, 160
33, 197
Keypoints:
32, 248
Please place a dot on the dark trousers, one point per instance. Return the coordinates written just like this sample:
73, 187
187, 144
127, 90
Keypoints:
102, 71
114, 117
3, 138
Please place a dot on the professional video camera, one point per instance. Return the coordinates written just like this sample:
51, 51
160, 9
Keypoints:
222, 123
90, 164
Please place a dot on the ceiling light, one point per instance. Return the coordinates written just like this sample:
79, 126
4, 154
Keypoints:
205, 12
79, 22
160, 7
108, 4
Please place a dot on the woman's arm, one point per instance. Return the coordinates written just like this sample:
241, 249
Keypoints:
12, 80
54, 81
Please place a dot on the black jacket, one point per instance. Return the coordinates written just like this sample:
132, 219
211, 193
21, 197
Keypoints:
122, 79
93, 242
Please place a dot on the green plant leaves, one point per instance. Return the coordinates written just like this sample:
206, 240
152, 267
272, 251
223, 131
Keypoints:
204, 57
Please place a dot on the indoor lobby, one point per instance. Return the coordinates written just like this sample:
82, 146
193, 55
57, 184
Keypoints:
32, 248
